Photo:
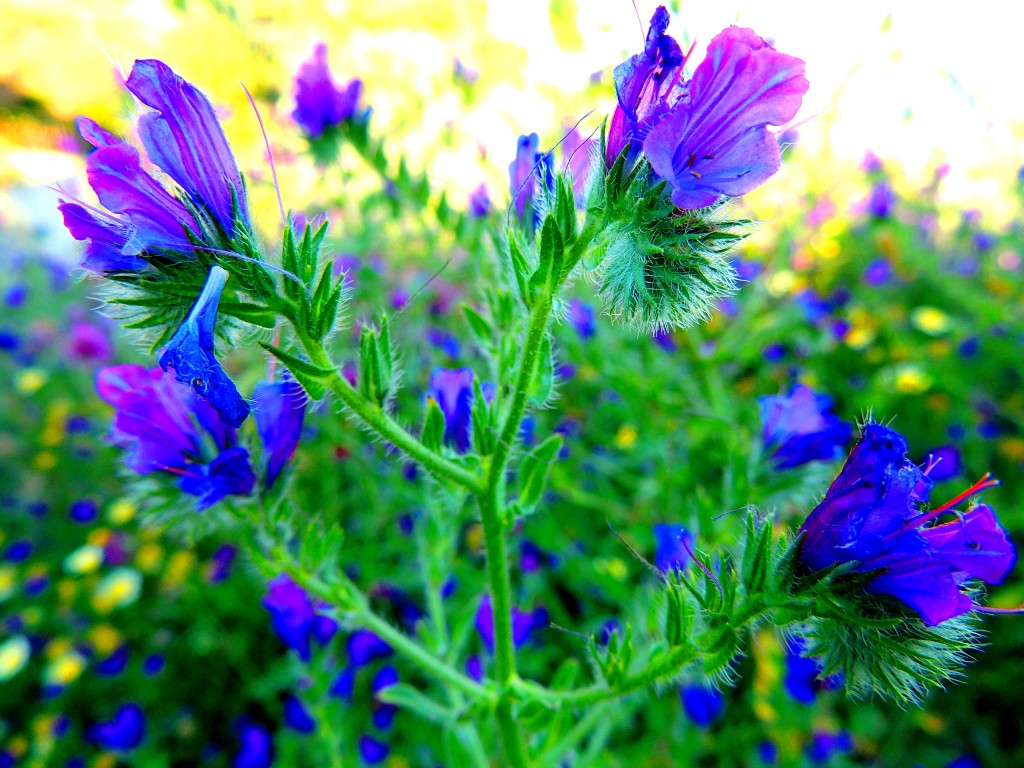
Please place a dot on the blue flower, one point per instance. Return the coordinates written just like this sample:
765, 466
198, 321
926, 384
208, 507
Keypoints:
452, 390
824, 746
296, 716
115, 663
524, 624
295, 618
256, 747
870, 516
702, 705
943, 463
373, 751
344, 684
319, 103
365, 647
280, 408
190, 353
125, 731
581, 316
529, 169
673, 546
383, 713
801, 428
479, 202
167, 429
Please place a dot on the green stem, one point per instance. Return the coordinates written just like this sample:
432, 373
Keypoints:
666, 668
574, 735
374, 417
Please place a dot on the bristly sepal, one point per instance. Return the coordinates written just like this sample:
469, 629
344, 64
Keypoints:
658, 267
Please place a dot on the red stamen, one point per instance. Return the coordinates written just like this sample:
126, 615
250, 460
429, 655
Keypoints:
986, 481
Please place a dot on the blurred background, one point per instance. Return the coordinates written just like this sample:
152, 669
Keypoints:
886, 273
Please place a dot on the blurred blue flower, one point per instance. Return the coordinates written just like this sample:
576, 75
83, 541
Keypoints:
256, 747
672, 547
824, 746
190, 352
870, 516
115, 663
384, 714
524, 624
702, 705
479, 202
296, 716
372, 751
801, 428
279, 410
83, 510
294, 617
452, 390
943, 463
531, 175
365, 647
581, 316
344, 684
125, 731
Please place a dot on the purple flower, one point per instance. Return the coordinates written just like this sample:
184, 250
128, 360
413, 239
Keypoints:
294, 617
452, 390
479, 202
18, 551
870, 516
280, 408
153, 665
475, 668
256, 747
89, 344
319, 103
801, 428
523, 624
383, 713
824, 746
219, 567
702, 705
673, 545
296, 716
373, 751
801, 678
578, 159
165, 428
878, 272
190, 353
125, 731
182, 137
715, 141
880, 200
525, 172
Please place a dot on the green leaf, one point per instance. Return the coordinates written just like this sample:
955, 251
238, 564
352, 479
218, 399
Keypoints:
433, 426
533, 472
543, 384
311, 377
406, 697
480, 326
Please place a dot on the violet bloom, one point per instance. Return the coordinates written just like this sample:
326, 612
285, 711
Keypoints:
280, 408
715, 141
125, 731
801, 428
365, 646
319, 103
89, 344
673, 547
190, 353
578, 160
523, 624
383, 713
479, 202
184, 139
801, 680
167, 429
870, 516
943, 463
452, 390
294, 617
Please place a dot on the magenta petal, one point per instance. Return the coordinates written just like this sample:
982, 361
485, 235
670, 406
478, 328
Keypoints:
95, 134
279, 408
158, 220
976, 545
106, 236
185, 139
